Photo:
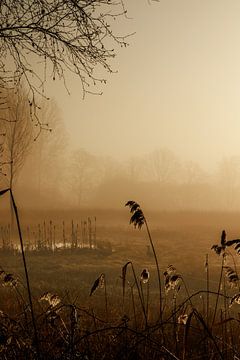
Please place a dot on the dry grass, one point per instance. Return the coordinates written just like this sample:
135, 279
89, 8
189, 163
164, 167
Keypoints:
120, 319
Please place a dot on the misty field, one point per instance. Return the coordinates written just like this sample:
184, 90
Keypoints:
198, 316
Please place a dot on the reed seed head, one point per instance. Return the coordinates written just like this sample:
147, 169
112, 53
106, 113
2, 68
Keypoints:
220, 249
52, 299
7, 279
137, 218
171, 279
98, 283
235, 299
145, 276
182, 319
231, 276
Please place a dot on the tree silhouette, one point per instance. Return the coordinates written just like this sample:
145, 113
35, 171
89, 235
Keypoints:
163, 165
16, 129
61, 35
17, 133
84, 173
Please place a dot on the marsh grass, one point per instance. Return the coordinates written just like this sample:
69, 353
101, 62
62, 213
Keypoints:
119, 319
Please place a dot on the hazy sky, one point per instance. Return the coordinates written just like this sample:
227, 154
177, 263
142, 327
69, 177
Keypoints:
177, 86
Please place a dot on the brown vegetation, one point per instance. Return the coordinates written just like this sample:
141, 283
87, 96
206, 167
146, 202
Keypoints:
199, 308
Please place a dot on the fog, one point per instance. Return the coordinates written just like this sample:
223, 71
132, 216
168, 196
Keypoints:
176, 86
99, 140
165, 130
55, 176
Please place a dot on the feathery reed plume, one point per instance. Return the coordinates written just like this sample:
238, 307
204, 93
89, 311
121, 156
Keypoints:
138, 219
145, 275
231, 276
98, 283
144, 280
182, 319
219, 249
235, 299
172, 279
171, 269
7, 279
52, 299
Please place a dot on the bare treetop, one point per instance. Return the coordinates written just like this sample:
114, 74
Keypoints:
43, 38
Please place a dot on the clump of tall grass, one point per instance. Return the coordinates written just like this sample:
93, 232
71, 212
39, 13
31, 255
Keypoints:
130, 328
138, 219
173, 281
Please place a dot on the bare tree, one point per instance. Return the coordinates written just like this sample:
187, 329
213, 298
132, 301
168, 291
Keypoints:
193, 173
83, 175
62, 35
163, 166
134, 168
47, 160
16, 129
17, 133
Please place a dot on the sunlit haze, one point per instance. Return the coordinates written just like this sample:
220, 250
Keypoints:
177, 86
120, 179
162, 128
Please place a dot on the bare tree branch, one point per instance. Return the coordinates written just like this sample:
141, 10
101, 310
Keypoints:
60, 35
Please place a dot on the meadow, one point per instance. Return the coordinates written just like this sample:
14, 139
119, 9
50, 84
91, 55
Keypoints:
90, 303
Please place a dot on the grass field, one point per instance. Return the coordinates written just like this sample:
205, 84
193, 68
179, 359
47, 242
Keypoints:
103, 320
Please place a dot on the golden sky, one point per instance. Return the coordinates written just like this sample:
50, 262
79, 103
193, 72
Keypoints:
177, 86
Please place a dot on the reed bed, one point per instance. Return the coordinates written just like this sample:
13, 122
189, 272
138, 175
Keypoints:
146, 314
49, 236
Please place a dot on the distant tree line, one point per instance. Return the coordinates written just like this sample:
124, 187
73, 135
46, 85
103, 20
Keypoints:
50, 172
77, 178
